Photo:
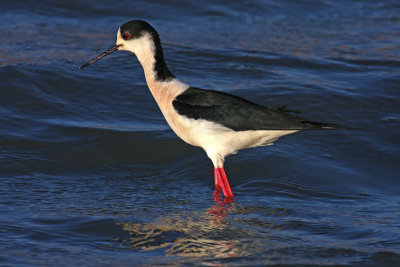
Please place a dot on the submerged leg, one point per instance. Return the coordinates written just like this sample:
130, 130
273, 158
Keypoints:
221, 181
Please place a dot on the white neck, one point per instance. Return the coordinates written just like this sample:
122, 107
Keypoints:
145, 51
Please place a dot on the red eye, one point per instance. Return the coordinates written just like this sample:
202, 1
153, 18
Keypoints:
125, 36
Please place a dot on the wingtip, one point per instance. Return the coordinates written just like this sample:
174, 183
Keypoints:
324, 126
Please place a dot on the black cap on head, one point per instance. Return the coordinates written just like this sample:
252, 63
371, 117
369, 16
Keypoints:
136, 28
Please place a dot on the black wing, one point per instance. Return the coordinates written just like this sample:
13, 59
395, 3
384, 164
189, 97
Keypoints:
237, 113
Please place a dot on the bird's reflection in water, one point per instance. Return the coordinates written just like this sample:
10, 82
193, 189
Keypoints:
220, 208
199, 234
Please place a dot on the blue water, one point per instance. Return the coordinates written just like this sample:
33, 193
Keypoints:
91, 174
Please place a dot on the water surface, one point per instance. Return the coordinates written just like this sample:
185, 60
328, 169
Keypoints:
91, 174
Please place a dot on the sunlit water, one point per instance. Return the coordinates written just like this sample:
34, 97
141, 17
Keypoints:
91, 174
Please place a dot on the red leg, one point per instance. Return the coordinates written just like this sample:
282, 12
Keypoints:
217, 191
221, 181
216, 179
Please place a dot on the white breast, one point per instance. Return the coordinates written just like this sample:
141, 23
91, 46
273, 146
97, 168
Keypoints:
218, 141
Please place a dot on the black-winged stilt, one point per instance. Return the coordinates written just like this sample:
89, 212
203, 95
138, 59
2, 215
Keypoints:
218, 122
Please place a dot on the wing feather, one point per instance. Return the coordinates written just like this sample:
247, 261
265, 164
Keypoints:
237, 113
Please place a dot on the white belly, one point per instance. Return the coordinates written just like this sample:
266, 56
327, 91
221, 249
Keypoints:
219, 141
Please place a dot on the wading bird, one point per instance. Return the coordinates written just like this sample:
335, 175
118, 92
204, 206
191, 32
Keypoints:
218, 122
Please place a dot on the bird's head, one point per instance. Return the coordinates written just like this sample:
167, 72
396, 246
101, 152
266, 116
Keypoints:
136, 36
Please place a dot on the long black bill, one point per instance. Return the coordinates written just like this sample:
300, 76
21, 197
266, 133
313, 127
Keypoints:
105, 53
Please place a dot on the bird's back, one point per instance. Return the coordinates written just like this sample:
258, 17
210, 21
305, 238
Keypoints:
237, 113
